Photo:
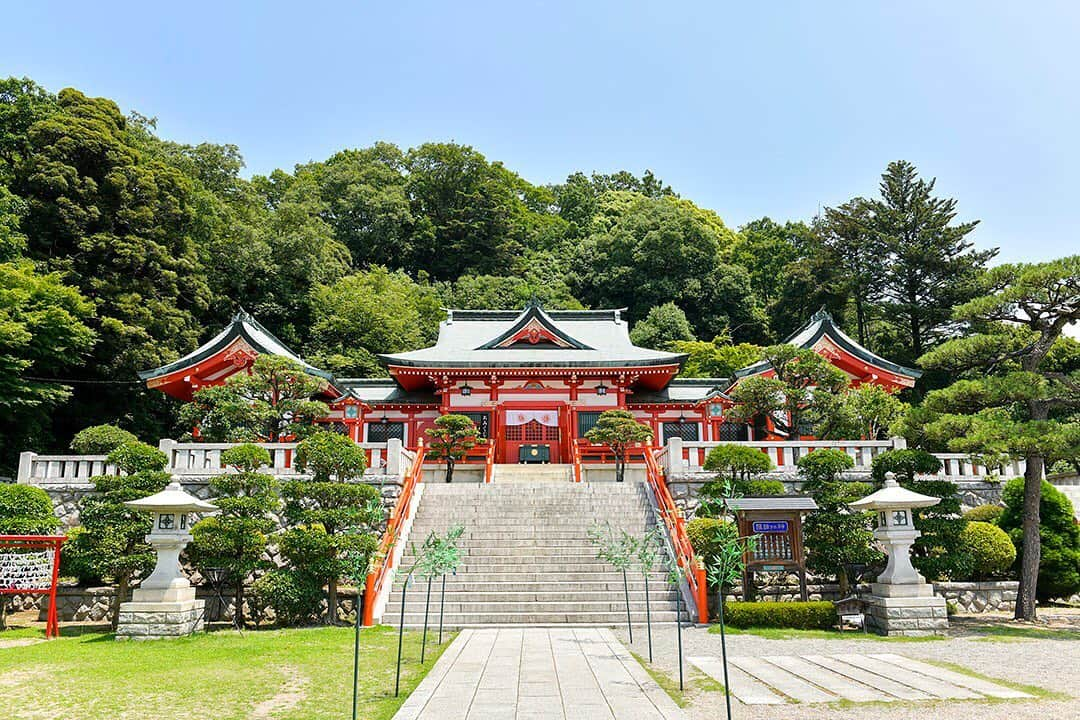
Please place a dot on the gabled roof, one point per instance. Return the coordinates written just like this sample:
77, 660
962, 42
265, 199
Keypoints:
564, 338
384, 391
243, 327
822, 325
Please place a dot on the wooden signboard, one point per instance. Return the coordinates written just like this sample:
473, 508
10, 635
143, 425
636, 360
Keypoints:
776, 524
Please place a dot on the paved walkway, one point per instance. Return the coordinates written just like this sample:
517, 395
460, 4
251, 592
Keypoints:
885, 677
538, 674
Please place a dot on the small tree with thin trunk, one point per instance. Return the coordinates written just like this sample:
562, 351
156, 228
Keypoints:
452, 437
619, 431
235, 539
1018, 400
334, 515
619, 549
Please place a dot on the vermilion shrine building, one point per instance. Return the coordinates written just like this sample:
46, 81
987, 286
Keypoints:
530, 378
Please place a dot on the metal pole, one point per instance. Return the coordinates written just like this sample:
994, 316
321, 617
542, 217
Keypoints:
356, 656
427, 607
442, 604
678, 625
648, 615
723, 653
626, 592
400, 637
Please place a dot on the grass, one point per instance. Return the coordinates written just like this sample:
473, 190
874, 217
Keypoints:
299, 674
1035, 690
792, 634
693, 680
1017, 633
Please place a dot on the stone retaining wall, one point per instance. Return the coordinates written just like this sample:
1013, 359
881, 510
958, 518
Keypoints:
969, 597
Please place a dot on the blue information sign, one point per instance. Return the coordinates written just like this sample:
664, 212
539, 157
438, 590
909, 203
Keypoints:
774, 526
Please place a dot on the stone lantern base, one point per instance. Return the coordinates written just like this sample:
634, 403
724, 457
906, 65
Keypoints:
909, 610
145, 619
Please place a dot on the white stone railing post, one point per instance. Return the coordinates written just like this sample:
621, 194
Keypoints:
168, 447
673, 462
26, 465
394, 465
899, 443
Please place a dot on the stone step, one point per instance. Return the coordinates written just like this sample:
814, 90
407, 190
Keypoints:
416, 619
536, 563
522, 548
612, 604
484, 535
418, 592
469, 583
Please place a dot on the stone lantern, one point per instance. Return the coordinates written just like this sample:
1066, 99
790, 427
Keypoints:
901, 601
164, 604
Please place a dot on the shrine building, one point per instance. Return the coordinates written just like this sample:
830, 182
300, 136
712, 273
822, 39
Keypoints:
529, 378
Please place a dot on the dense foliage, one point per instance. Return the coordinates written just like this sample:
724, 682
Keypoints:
814, 615
1059, 562
123, 251
990, 551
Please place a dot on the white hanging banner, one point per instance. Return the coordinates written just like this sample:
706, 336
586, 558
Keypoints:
524, 417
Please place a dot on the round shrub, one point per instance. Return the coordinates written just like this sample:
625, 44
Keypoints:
815, 615
824, 466
989, 549
247, 457
295, 597
329, 455
761, 487
905, 463
100, 439
1059, 565
136, 457
25, 510
984, 513
705, 535
737, 461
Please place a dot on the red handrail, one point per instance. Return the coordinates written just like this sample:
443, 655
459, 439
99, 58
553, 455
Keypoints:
384, 561
675, 523
575, 450
489, 463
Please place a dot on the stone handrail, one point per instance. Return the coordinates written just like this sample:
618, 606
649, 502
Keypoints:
684, 456
62, 469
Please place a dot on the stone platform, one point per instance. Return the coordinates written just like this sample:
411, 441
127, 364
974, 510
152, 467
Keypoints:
157, 620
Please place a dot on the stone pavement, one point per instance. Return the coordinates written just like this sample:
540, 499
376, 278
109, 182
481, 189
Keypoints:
884, 677
538, 674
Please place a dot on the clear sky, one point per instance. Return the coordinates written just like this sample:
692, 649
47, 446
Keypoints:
748, 108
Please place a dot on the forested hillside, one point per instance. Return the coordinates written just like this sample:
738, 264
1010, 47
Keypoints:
121, 251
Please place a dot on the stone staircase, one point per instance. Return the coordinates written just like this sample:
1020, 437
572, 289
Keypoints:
527, 558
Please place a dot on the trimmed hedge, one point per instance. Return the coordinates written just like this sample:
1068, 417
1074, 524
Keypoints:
989, 547
816, 615
984, 513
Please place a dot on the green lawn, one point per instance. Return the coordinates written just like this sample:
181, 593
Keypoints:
273, 674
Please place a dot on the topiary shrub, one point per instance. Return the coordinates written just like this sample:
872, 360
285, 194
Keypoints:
905, 463
739, 462
295, 597
26, 510
816, 615
990, 551
1059, 564
100, 439
137, 457
984, 513
761, 487
77, 559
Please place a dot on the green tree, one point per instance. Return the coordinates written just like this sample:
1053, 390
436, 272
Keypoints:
645, 252
930, 266
235, 539
662, 327
333, 514
847, 235
794, 396
113, 541
865, 411
491, 292
100, 439
119, 225
270, 402
376, 311
1017, 399
1059, 537
450, 439
836, 537
741, 465
619, 431
43, 333
716, 359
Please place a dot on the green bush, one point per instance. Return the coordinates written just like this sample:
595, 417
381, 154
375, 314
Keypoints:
100, 439
704, 534
761, 487
1059, 565
905, 463
247, 457
25, 510
329, 455
989, 549
737, 461
136, 457
77, 559
295, 597
818, 615
984, 513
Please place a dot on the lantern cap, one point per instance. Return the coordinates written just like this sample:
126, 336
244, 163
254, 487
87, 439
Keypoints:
171, 499
894, 497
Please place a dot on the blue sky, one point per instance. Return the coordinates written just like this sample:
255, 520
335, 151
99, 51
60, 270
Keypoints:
747, 108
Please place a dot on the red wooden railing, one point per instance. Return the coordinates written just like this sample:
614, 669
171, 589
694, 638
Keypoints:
675, 523
575, 452
384, 563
